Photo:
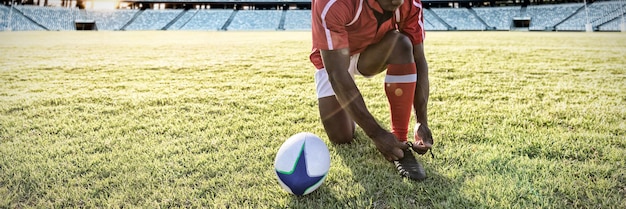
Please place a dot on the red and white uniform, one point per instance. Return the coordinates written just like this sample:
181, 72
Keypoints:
356, 24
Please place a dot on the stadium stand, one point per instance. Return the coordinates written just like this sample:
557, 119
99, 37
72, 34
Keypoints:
613, 25
499, 17
460, 18
256, 20
153, 19
545, 17
434, 22
598, 13
296, 15
212, 19
110, 19
298, 20
53, 18
182, 20
17, 21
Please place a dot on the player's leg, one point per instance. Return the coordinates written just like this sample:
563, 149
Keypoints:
337, 122
395, 53
394, 48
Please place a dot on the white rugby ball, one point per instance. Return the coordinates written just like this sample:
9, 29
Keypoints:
302, 163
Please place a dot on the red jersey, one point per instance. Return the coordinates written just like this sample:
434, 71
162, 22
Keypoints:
356, 24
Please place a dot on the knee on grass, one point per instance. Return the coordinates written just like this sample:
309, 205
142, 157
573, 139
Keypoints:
343, 137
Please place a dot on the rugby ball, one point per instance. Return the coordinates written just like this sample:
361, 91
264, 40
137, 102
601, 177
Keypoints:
302, 163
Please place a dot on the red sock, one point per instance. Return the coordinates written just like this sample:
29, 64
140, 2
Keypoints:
400, 90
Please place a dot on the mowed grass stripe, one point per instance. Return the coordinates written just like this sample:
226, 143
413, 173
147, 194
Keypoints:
194, 119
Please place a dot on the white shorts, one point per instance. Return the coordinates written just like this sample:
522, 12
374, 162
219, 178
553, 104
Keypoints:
324, 89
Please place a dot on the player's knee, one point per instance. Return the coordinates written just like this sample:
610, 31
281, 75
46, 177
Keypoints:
403, 46
343, 137
402, 51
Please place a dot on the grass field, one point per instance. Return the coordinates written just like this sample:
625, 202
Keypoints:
194, 119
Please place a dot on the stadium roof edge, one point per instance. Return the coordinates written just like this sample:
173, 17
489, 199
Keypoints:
492, 2
269, 1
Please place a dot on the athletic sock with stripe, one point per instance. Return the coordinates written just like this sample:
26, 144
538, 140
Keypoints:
400, 90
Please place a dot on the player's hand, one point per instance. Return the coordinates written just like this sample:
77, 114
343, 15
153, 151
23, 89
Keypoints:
389, 146
423, 139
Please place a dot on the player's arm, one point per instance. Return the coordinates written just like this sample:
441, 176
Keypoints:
422, 89
414, 29
336, 63
420, 101
349, 97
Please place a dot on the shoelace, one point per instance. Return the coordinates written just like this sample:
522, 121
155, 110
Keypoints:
429, 150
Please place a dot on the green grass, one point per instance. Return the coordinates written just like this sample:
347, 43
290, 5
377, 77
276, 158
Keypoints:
194, 119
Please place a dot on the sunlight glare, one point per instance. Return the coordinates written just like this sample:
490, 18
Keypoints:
101, 4
89, 4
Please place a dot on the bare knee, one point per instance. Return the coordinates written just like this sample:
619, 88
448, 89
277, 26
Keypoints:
393, 48
337, 123
339, 131
343, 137
402, 52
